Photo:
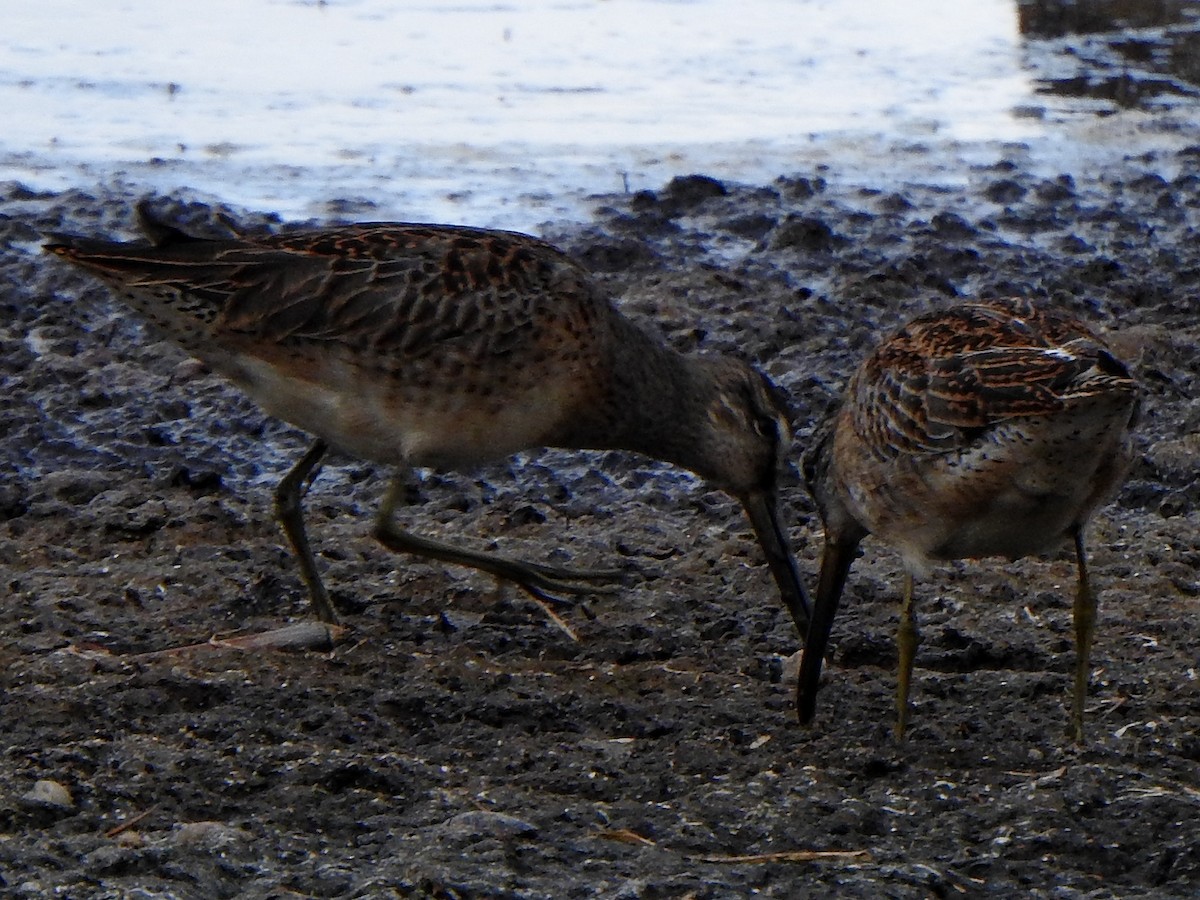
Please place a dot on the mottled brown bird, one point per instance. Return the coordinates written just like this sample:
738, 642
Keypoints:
989, 429
445, 346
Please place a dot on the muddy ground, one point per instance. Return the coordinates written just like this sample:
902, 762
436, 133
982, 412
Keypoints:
456, 742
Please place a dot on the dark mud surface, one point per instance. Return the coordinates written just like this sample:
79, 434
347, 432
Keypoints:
455, 742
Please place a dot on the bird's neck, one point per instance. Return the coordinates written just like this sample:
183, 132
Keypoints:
656, 402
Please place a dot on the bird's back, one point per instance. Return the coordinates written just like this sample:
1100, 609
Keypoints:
387, 339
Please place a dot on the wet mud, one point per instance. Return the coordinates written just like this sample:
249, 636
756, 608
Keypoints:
455, 742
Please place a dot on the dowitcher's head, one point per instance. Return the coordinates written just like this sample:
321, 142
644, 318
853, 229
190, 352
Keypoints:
744, 436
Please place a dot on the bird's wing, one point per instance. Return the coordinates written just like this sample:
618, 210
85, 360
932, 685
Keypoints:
946, 378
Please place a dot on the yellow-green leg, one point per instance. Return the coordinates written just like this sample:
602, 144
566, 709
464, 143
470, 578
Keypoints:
907, 641
1084, 616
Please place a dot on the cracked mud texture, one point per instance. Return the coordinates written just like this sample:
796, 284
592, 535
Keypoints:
455, 742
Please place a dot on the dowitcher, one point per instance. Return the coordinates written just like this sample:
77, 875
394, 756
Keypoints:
989, 429
447, 347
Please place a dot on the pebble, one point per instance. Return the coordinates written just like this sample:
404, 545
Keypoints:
481, 823
49, 793
208, 834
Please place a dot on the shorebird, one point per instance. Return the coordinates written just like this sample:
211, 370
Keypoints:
447, 347
989, 429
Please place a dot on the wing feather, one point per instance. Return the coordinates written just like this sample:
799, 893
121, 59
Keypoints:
403, 291
945, 379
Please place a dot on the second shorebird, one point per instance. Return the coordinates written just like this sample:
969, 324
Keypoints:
989, 429
445, 346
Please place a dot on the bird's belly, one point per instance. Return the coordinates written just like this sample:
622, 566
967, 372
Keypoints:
1016, 496
1012, 524
1008, 523
388, 421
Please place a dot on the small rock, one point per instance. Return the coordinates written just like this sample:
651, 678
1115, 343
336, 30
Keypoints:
1058, 189
804, 233
208, 834
130, 839
791, 667
948, 225
1004, 191
49, 793
110, 858
894, 203
796, 189
481, 824
1176, 459
688, 191
754, 226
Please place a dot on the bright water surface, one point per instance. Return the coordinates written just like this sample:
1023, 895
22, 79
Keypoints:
504, 113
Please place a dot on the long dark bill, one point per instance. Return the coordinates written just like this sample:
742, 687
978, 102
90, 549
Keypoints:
762, 509
835, 566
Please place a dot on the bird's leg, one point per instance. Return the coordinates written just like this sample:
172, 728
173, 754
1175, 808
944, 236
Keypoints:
1084, 617
540, 581
907, 641
287, 510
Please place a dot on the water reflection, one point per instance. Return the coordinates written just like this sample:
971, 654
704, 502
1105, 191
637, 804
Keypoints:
1126, 54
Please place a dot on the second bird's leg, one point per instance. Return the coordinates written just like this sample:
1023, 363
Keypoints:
291, 517
541, 581
907, 641
1084, 617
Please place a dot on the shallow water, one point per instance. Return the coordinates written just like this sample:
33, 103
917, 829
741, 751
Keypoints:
512, 114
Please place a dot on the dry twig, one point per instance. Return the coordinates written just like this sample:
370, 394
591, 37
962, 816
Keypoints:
300, 636
850, 856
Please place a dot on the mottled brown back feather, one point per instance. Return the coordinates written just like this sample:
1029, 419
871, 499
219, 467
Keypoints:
947, 376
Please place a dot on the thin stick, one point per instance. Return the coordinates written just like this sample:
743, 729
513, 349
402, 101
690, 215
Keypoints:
129, 823
555, 618
300, 636
626, 836
793, 856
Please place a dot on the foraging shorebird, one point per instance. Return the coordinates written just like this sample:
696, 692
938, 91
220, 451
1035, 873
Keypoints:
989, 429
446, 346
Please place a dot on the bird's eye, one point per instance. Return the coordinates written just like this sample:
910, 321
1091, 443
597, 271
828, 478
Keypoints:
765, 426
